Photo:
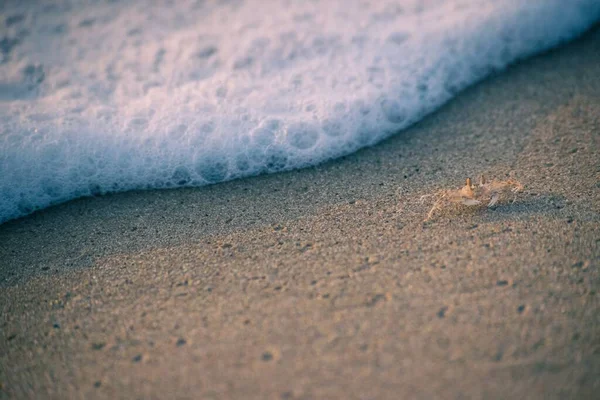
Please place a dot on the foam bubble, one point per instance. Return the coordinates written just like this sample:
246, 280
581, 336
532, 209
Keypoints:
302, 135
97, 97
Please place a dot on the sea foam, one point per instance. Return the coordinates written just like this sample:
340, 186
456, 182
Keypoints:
100, 97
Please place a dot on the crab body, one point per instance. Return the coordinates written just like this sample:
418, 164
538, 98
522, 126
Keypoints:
484, 193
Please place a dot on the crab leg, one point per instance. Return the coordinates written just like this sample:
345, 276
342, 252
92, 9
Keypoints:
494, 200
435, 207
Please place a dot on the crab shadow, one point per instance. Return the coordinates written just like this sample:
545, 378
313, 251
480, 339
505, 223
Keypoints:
549, 205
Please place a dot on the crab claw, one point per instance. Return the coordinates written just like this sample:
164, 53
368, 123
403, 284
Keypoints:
493, 200
470, 202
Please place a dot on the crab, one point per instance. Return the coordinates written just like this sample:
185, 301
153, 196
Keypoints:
472, 195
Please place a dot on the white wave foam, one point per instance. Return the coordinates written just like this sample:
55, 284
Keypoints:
100, 97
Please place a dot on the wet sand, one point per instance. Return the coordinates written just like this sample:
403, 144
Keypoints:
325, 282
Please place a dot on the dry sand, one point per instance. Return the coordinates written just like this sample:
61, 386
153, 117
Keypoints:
325, 282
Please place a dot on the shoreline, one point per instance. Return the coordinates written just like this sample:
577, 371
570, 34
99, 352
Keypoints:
324, 282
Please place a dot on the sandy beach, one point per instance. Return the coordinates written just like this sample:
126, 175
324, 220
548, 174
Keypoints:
326, 282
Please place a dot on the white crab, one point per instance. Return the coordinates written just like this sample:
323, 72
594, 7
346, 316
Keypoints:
476, 195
